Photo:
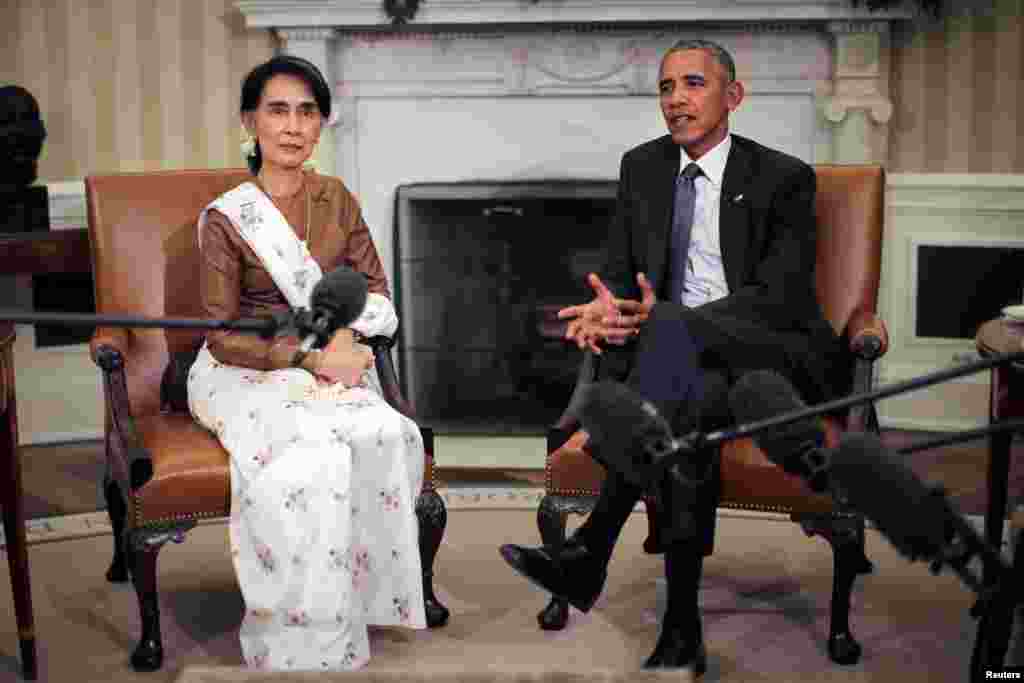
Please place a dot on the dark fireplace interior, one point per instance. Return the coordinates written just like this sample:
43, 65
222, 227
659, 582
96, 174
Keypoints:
481, 269
987, 278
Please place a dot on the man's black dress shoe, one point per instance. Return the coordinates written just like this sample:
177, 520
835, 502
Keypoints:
575, 574
679, 647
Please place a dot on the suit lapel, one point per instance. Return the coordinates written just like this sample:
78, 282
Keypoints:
661, 202
734, 211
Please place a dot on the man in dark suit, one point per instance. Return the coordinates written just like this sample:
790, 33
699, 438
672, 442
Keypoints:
709, 274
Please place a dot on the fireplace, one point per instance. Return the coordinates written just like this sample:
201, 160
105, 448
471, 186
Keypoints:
481, 269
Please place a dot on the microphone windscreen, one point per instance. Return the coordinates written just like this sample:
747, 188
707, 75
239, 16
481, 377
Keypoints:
763, 394
341, 294
622, 427
912, 516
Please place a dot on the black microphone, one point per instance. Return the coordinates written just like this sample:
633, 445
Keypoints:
336, 300
796, 447
628, 435
916, 518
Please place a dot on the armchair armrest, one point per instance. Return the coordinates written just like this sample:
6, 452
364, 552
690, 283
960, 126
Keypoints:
129, 461
107, 340
869, 338
385, 365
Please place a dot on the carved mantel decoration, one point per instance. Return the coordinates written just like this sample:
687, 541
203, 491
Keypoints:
401, 11
465, 90
832, 49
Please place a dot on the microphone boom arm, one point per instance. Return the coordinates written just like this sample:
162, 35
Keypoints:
752, 428
266, 327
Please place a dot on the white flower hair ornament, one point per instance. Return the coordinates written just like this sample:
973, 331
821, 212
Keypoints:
248, 146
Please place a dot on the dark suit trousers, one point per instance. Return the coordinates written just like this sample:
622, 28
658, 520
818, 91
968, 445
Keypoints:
684, 362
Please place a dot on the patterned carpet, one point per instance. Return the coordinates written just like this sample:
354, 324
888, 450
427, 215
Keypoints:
765, 598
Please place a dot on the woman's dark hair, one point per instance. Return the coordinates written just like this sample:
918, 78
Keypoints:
252, 89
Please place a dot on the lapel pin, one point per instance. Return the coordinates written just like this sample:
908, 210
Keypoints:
738, 198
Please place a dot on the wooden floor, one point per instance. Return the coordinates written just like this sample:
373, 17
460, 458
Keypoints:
66, 478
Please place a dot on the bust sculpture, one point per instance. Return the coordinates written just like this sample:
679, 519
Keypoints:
23, 207
21, 137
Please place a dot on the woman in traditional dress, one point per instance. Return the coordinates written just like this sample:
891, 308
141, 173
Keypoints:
324, 473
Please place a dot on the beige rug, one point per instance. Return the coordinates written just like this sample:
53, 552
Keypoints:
201, 674
765, 599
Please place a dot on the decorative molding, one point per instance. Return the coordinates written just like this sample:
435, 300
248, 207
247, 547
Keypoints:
835, 109
290, 34
980, 193
937, 208
846, 27
552, 62
371, 13
858, 96
67, 204
1010, 182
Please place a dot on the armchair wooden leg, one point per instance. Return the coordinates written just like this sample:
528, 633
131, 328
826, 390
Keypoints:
149, 653
551, 519
552, 515
117, 510
845, 533
144, 546
433, 517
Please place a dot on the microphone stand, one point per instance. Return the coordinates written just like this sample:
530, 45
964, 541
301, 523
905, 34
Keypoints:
997, 599
265, 327
820, 409
966, 435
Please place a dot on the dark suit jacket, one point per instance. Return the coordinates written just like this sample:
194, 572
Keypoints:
768, 235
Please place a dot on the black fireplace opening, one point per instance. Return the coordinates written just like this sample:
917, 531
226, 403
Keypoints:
481, 270
988, 278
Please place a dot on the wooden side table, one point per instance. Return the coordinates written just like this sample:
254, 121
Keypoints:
53, 251
13, 507
1006, 402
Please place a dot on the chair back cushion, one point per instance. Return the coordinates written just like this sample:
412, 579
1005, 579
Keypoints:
850, 211
142, 228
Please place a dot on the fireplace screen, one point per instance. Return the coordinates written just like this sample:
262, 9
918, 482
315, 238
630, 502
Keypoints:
481, 269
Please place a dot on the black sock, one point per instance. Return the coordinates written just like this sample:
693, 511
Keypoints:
601, 529
684, 565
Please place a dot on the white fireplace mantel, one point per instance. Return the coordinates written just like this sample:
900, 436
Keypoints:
524, 89
830, 51
370, 13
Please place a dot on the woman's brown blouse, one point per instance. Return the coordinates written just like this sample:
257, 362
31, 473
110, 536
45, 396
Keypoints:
234, 283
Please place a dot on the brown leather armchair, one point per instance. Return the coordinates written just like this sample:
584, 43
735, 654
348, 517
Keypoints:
165, 472
850, 217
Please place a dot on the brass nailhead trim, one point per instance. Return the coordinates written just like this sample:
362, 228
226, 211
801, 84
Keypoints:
214, 515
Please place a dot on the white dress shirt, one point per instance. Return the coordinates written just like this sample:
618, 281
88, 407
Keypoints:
705, 275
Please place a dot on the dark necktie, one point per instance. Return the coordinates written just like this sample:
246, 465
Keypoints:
682, 224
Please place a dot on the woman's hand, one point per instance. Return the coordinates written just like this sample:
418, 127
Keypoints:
344, 360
